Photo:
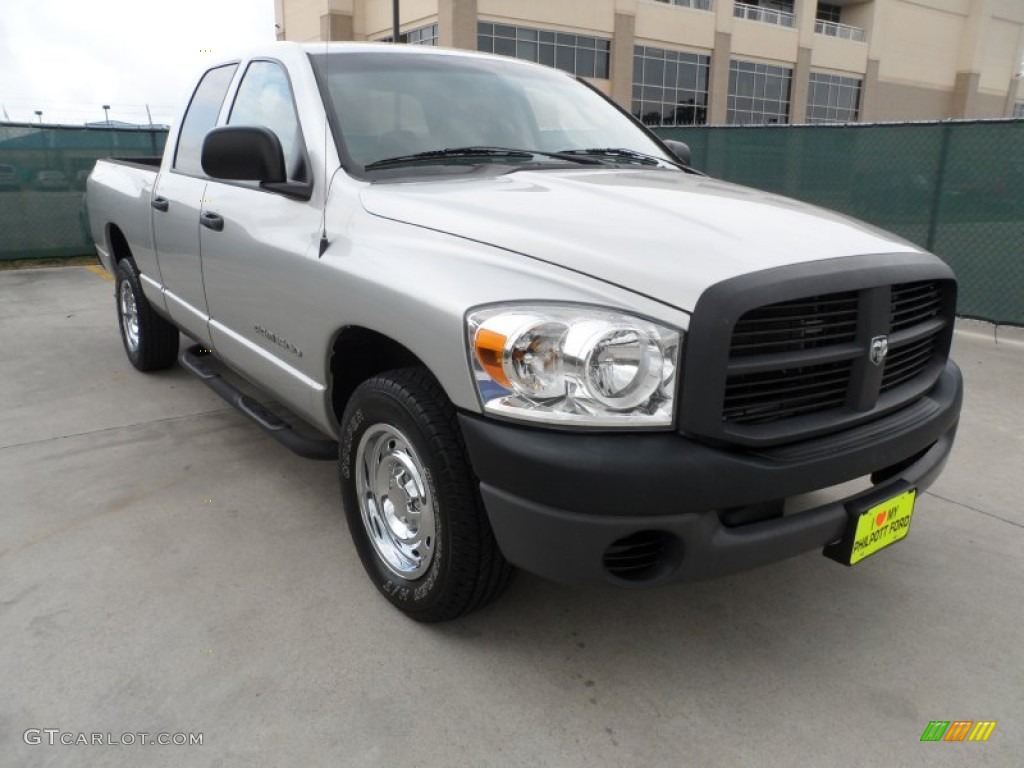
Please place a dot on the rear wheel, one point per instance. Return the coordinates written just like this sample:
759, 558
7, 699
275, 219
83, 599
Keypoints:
150, 341
412, 502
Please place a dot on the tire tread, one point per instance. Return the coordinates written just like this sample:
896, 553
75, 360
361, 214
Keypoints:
158, 338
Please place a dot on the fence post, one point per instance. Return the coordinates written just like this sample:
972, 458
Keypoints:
940, 182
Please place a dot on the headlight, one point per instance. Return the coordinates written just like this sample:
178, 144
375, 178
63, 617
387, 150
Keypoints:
574, 365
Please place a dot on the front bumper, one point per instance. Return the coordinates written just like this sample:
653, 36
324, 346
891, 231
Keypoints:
568, 506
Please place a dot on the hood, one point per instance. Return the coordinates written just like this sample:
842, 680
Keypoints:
664, 234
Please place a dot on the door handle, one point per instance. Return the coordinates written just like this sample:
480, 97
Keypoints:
160, 203
211, 220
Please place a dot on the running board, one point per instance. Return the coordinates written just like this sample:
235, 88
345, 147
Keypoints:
307, 447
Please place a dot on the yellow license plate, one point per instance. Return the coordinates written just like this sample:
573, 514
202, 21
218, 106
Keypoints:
882, 525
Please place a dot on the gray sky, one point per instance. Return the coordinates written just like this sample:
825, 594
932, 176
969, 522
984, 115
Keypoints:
69, 57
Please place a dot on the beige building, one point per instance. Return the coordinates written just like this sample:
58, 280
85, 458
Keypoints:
676, 62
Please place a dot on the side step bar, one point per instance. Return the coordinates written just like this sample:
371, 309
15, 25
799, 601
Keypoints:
307, 447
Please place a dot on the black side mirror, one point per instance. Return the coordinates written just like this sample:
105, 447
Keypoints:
244, 153
679, 149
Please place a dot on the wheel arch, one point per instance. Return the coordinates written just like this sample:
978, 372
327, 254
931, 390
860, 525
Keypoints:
356, 354
117, 243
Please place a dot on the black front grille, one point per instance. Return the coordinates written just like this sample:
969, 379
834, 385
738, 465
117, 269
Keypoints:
907, 362
812, 355
796, 352
818, 321
915, 303
766, 396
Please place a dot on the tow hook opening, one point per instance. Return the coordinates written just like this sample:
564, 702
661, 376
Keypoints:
889, 472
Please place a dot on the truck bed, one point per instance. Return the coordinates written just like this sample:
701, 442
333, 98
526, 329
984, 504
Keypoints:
119, 191
146, 163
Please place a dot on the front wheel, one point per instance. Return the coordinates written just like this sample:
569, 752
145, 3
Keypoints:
150, 341
411, 500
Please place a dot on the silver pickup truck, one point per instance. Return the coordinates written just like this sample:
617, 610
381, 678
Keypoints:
530, 334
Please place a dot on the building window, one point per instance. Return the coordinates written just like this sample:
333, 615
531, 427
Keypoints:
576, 54
828, 12
423, 36
670, 87
758, 93
1018, 109
833, 99
701, 5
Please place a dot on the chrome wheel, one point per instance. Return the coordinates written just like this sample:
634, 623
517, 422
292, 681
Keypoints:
395, 501
129, 316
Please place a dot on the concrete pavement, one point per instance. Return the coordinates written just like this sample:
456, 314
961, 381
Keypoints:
165, 567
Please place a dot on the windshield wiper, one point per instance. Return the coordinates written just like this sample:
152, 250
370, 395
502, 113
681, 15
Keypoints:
489, 152
620, 152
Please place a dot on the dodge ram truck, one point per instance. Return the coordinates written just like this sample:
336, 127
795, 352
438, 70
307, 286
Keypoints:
527, 331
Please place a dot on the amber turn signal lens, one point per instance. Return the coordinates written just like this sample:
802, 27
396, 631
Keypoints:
490, 350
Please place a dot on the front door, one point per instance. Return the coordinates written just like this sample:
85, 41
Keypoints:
265, 245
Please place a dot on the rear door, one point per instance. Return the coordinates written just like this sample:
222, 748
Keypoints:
266, 249
177, 202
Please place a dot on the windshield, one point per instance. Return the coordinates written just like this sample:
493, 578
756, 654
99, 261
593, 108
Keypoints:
394, 104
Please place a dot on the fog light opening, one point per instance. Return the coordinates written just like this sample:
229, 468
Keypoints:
643, 556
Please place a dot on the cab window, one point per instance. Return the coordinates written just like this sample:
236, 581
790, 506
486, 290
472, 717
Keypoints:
201, 117
264, 99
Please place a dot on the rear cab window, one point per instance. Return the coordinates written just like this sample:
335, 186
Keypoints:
201, 118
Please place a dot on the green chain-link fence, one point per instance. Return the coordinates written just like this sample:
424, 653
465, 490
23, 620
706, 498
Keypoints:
955, 187
42, 184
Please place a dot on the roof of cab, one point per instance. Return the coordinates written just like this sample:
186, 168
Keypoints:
410, 50
287, 50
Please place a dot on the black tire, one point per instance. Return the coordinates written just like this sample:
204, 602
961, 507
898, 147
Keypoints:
466, 570
157, 339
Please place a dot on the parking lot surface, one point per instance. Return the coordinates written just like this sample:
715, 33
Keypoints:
166, 567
